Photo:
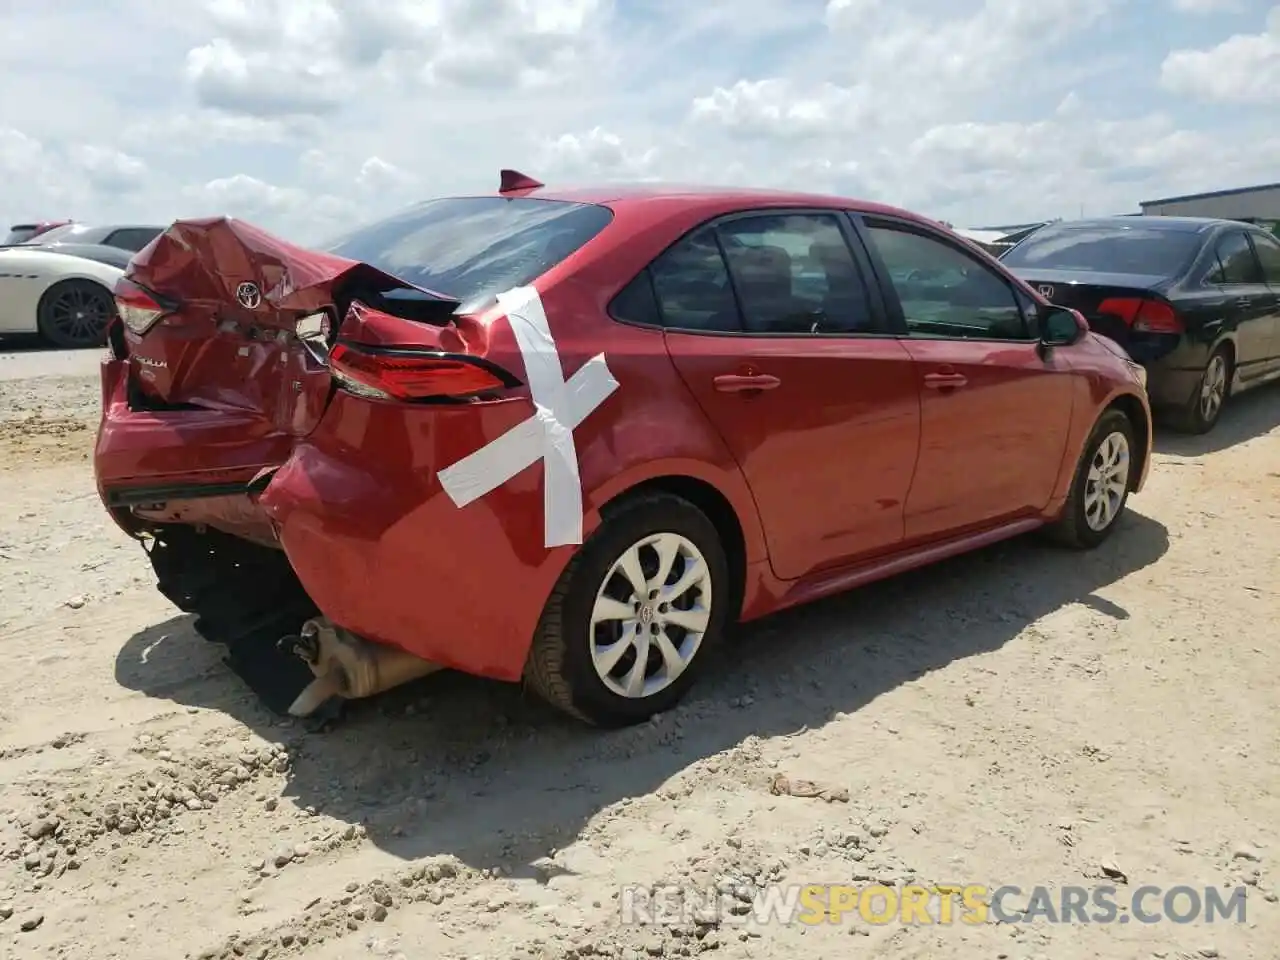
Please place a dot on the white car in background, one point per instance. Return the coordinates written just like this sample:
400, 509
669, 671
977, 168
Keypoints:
61, 291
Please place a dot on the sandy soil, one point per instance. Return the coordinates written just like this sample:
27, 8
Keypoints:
1023, 716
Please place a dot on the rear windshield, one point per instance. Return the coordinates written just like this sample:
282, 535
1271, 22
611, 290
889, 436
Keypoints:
1106, 249
18, 235
474, 247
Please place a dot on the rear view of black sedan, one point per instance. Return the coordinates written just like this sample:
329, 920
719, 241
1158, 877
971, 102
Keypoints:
1195, 301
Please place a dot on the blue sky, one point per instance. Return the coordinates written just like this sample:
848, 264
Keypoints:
309, 115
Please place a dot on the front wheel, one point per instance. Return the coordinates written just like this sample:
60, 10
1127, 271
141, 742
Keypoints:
1100, 489
634, 616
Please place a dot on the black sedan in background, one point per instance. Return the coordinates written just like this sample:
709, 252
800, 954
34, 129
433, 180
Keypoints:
1195, 301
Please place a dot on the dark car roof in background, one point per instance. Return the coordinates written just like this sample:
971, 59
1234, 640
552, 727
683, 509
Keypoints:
1172, 224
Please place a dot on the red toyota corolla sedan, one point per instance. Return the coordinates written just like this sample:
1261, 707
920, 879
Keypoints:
571, 437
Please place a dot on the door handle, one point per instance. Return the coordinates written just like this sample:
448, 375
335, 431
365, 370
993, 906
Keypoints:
944, 381
745, 383
1244, 302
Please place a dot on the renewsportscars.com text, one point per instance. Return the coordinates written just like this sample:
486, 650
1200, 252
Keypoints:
944, 904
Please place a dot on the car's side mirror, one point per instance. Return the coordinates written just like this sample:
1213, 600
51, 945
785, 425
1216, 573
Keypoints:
1061, 326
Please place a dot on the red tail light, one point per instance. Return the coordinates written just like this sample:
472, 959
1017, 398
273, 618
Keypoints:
139, 308
405, 373
1143, 315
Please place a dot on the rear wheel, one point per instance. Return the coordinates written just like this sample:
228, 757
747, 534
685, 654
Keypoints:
75, 313
1100, 489
630, 624
1203, 410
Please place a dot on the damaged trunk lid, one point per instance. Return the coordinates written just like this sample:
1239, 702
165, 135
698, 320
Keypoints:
221, 315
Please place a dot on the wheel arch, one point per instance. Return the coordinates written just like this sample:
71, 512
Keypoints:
1136, 413
717, 508
1227, 344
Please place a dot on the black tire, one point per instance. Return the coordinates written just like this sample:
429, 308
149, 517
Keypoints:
1073, 528
560, 668
74, 314
1198, 417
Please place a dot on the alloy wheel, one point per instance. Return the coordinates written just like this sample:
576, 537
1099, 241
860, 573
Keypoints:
650, 615
1107, 482
80, 314
1214, 387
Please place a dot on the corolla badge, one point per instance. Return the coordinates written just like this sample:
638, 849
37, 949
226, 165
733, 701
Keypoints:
249, 296
1046, 291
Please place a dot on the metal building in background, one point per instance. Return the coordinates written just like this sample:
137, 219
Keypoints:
1258, 204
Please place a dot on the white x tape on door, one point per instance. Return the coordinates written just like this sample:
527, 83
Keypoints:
559, 407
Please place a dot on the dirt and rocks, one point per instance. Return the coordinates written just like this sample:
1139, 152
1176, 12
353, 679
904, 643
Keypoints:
1021, 717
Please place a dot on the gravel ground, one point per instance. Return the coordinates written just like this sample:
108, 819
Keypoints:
1022, 716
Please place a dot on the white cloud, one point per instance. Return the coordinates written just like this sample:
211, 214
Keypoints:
378, 175
108, 169
1244, 68
778, 108
850, 13
1208, 6
307, 115
315, 215
597, 153
1072, 160
65, 179
930, 56
321, 50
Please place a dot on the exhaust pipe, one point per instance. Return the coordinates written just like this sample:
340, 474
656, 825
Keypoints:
348, 666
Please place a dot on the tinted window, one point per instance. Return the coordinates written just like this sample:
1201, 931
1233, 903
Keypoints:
945, 292
1106, 248
131, 238
1236, 262
636, 303
1269, 254
475, 247
794, 273
692, 285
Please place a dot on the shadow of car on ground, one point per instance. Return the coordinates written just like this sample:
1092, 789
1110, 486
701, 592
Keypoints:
462, 766
32, 343
1249, 415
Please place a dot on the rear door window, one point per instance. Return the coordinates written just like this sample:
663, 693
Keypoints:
1237, 263
637, 303
468, 248
795, 274
692, 285
1269, 256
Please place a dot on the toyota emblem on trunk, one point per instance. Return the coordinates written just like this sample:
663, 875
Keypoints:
250, 296
1046, 291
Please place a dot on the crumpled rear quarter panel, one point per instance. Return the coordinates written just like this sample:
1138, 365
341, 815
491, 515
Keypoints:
383, 551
